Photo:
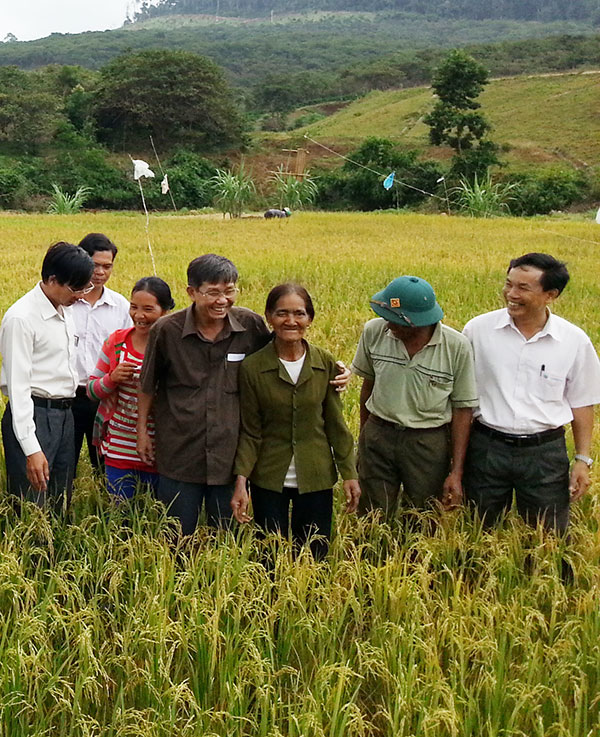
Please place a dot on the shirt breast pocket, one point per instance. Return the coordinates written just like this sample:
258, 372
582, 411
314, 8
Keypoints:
436, 391
549, 387
232, 372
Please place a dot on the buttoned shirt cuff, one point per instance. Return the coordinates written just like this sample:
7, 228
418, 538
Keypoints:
30, 445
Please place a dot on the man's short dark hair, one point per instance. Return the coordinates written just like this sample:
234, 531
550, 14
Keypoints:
93, 242
555, 274
68, 264
212, 269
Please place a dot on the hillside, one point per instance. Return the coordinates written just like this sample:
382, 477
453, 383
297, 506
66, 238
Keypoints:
327, 43
585, 10
542, 120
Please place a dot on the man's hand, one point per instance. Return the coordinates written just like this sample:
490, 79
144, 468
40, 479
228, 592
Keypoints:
342, 378
145, 447
352, 492
580, 480
240, 500
38, 472
452, 492
122, 372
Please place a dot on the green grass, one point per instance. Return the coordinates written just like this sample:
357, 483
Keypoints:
108, 629
543, 119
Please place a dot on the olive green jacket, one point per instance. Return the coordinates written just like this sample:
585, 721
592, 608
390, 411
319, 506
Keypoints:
280, 419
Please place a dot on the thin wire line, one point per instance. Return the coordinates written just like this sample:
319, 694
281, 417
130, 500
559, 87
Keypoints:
572, 237
362, 166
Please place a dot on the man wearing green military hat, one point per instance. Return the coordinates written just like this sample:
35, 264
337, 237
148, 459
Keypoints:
416, 401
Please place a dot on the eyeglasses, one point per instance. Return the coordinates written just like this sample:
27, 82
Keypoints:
216, 293
83, 290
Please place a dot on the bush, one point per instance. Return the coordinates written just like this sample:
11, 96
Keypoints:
13, 188
109, 186
189, 180
306, 119
362, 188
551, 189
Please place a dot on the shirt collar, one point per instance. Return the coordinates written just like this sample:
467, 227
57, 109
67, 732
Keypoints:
551, 327
436, 338
232, 324
270, 362
47, 309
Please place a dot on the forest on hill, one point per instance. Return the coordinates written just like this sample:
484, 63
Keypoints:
542, 10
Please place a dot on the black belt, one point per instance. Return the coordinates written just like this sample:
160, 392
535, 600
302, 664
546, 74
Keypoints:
52, 403
520, 441
396, 426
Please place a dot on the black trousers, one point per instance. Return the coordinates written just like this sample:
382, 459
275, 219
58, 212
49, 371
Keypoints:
184, 501
311, 515
538, 475
54, 431
84, 413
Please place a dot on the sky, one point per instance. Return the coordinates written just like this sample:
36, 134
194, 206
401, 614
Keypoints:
29, 19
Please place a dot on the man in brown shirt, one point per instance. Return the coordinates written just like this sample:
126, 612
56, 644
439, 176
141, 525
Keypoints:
190, 380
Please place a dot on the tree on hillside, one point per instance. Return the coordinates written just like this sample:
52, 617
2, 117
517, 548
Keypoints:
29, 113
175, 96
455, 119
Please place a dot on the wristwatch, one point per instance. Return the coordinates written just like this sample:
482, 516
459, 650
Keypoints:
585, 459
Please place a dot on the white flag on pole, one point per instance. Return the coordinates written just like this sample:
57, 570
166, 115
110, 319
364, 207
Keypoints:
598, 216
164, 185
141, 169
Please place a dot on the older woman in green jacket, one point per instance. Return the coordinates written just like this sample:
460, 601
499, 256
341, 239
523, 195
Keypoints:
293, 439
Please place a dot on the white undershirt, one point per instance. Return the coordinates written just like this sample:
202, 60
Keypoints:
293, 368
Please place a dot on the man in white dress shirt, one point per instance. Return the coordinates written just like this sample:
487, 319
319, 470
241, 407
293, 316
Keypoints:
39, 377
535, 372
96, 315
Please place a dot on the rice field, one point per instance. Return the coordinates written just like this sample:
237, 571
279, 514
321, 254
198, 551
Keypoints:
109, 627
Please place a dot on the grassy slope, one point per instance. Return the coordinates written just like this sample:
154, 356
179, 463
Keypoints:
545, 119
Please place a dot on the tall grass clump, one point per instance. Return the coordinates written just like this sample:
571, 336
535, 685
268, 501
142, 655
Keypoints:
483, 198
292, 192
63, 203
233, 192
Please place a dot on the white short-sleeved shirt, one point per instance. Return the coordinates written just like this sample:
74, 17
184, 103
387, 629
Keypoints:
38, 357
528, 386
94, 323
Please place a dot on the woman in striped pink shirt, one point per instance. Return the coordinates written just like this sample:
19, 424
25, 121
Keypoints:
114, 383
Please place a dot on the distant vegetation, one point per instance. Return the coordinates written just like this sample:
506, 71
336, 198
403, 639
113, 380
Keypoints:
587, 10
90, 99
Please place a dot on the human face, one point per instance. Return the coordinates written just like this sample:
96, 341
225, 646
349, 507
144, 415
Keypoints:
103, 264
62, 294
144, 310
289, 318
213, 300
524, 295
